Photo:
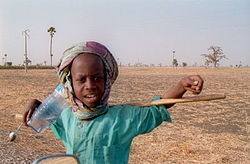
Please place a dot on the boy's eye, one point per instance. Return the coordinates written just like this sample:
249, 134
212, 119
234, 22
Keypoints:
82, 79
97, 78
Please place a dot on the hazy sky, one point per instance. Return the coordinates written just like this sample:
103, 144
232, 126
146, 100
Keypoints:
144, 31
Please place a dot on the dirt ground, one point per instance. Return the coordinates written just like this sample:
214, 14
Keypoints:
202, 132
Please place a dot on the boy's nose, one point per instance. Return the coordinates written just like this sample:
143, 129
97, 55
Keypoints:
90, 84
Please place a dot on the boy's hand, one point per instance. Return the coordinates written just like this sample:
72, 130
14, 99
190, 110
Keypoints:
193, 83
29, 109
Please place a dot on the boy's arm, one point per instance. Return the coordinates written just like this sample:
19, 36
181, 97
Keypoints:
193, 83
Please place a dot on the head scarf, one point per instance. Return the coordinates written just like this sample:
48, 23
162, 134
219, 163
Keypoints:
80, 110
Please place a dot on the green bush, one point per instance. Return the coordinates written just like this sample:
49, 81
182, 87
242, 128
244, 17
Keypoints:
8, 63
184, 64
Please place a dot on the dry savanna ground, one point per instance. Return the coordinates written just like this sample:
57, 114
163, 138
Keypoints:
201, 132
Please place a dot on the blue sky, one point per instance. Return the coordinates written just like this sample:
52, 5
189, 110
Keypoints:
134, 30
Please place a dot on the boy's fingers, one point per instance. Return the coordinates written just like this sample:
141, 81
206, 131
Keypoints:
25, 117
190, 88
29, 115
29, 110
195, 82
190, 82
198, 81
195, 89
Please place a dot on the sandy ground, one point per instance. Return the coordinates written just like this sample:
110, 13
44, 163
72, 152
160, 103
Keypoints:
202, 132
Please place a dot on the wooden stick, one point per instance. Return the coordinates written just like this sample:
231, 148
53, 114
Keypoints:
18, 116
167, 101
182, 100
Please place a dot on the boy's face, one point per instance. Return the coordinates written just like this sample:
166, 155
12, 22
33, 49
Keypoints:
88, 79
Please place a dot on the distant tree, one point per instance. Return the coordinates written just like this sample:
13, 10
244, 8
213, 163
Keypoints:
8, 63
238, 65
214, 56
51, 31
175, 62
184, 64
207, 62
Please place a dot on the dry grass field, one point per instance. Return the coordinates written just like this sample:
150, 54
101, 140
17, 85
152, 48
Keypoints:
202, 132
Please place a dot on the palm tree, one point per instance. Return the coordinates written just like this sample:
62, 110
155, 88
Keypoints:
214, 56
51, 31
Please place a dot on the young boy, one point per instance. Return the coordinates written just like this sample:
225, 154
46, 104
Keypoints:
90, 128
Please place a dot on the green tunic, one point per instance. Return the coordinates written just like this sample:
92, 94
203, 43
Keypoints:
107, 138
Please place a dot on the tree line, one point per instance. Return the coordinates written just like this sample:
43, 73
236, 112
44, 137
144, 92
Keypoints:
26, 61
212, 58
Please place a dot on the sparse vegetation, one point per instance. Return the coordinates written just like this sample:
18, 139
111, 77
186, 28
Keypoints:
175, 63
29, 67
8, 64
214, 56
238, 65
184, 64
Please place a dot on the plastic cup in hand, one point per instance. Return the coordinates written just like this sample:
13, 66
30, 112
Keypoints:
48, 111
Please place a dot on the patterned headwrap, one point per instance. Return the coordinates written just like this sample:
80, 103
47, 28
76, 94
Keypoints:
80, 110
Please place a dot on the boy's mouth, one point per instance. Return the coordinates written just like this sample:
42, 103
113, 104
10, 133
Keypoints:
90, 98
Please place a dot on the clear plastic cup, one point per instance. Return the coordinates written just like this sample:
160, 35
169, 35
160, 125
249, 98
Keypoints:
48, 111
